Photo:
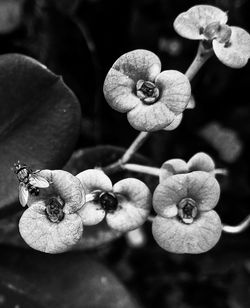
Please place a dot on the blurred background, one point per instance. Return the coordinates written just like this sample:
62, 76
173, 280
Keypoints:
80, 40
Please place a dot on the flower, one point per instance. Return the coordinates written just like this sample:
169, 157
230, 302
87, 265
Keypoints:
199, 162
208, 23
152, 99
186, 221
51, 223
125, 205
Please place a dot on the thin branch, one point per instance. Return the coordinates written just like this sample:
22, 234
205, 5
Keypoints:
142, 169
150, 218
239, 228
203, 54
137, 143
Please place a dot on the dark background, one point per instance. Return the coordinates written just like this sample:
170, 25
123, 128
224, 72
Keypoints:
80, 40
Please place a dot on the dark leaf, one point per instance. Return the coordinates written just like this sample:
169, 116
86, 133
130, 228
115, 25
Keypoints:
39, 120
67, 280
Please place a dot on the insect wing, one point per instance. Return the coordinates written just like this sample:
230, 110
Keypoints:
38, 181
23, 194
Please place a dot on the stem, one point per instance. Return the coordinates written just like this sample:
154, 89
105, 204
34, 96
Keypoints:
239, 228
142, 169
137, 143
219, 171
203, 54
150, 218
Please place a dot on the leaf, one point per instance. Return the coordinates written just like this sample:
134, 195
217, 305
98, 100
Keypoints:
67, 280
39, 120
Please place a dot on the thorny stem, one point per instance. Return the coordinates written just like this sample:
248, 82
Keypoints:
156, 171
203, 54
219, 171
239, 228
150, 218
142, 169
137, 143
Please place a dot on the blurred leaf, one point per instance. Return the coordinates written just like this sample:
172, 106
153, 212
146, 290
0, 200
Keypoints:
15, 291
10, 15
39, 120
67, 280
225, 140
65, 6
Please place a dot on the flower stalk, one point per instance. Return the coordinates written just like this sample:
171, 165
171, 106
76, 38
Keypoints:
203, 54
134, 147
142, 169
238, 228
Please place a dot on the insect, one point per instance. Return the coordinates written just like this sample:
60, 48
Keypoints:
29, 182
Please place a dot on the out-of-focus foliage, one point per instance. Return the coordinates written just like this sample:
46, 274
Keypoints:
70, 280
38, 114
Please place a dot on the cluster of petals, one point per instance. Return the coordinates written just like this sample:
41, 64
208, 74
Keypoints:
207, 23
153, 100
184, 202
54, 220
127, 202
199, 162
51, 222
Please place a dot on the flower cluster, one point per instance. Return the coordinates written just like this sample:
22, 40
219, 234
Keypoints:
61, 205
207, 23
152, 99
55, 218
183, 200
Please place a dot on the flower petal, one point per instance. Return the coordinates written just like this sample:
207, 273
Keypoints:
119, 91
237, 53
176, 122
139, 64
204, 189
150, 118
175, 90
171, 167
91, 213
201, 162
43, 235
169, 193
63, 184
189, 23
134, 202
200, 186
120, 82
198, 237
94, 179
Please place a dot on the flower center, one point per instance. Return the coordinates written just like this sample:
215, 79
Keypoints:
187, 210
108, 201
215, 30
147, 91
54, 210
